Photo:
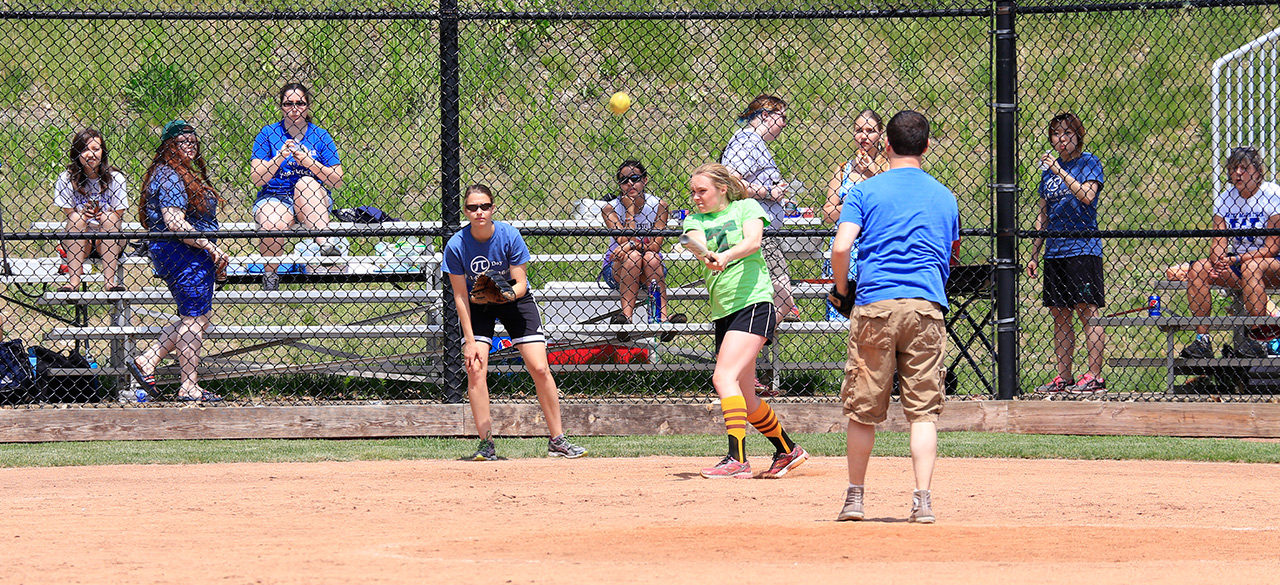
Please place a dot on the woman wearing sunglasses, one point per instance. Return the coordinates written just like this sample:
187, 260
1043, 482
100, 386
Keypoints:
748, 156
632, 262
177, 196
497, 249
295, 164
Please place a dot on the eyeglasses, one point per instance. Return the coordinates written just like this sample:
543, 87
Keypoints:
479, 207
298, 104
192, 141
630, 179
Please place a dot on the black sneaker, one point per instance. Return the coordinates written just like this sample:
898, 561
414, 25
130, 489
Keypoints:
621, 319
1248, 348
1199, 349
671, 335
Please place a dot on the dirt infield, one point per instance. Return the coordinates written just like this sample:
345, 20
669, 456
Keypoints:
644, 520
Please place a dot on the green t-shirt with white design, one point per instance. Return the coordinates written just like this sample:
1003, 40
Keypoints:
745, 281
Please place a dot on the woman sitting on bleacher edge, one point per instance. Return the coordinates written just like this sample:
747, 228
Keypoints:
295, 163
1249, 262
91, 193
633, 262
177, 196
496, 250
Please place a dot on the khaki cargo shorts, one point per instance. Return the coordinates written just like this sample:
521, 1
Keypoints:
903, 334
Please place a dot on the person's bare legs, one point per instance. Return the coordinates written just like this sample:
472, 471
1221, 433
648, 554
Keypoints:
535, 361
272, 215
478, 394
924, 452
1255, 276
77, 251
185, 336
311, 204
859, 439
627, 272
110, 251
1064, 341
1095, 338
735, 366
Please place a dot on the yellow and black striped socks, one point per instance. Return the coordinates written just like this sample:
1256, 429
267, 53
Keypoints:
735, 424
765, 421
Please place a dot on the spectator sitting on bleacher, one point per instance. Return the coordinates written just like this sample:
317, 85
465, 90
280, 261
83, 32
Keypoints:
1247, 263
177, 196
295, 163
92, 194
632, 263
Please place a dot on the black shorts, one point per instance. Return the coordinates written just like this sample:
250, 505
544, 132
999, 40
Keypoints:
757, 319
520, 317
1072, 281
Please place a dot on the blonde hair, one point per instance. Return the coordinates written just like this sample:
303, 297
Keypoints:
724, 178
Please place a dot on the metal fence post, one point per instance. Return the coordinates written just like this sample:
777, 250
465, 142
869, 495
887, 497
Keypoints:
450, 186
1006, 188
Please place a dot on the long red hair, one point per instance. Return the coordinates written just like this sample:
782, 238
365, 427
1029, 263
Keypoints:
196, 179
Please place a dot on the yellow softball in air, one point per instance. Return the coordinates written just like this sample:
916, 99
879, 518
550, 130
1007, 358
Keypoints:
619, 103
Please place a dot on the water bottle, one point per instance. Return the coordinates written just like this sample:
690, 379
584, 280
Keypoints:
655, 301
31, 353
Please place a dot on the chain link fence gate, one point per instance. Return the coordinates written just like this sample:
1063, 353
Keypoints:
421, 101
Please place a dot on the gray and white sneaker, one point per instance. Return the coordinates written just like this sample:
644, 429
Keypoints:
270, 281
559, 446
852, 504
921, 507
485, 452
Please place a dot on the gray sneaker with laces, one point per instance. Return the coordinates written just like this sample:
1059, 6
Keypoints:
486, 452
852, 504
921, 507
270, 281
561, 447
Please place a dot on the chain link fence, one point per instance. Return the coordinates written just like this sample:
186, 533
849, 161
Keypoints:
585, 121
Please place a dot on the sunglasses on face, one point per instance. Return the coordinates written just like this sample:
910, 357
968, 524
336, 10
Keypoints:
630, 179
479, 206
293, 104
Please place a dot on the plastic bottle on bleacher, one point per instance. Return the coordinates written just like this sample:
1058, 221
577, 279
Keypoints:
655, 301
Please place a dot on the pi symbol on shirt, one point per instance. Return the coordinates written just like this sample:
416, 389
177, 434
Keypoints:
479, 265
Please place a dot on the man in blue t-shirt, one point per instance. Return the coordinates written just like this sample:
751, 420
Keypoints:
905, 222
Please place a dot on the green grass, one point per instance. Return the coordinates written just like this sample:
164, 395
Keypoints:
964, 444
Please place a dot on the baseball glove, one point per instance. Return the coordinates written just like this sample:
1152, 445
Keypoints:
490, 287
842, 303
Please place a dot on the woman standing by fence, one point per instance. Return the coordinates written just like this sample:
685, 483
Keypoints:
177, 196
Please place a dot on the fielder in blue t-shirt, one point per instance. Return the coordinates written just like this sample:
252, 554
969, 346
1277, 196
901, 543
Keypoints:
905, 222
497, 248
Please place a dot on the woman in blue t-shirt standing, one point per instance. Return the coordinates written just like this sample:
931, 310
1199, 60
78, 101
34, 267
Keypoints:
295, 164
1070, 184
177, 196
496, 249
